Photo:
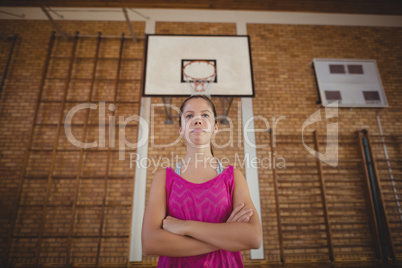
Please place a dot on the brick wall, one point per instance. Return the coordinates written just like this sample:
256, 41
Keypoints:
87, 218
285, 86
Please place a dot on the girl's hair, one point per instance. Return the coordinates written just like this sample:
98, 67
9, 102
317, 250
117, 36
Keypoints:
210, 103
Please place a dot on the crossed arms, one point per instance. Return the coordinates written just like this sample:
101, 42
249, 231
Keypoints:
173, 237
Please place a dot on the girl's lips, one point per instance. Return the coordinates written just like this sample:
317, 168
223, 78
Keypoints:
198, 130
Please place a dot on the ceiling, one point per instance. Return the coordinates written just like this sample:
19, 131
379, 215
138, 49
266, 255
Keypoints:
379, 7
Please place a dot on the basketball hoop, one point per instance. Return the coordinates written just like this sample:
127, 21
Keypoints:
199, 74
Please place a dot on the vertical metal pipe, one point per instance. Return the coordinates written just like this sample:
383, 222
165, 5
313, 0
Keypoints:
82, 151
374, 195
8, 62
382, 207
54, 152
108, 154
373, 220
27, 152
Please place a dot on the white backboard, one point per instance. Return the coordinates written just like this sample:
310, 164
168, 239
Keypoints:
166, 55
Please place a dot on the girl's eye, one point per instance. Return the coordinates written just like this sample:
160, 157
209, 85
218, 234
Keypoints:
187, 116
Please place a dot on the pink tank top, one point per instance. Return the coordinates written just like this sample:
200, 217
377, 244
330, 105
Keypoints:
210, 201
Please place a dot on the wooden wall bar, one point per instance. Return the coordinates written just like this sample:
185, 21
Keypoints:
70, 170
326, 209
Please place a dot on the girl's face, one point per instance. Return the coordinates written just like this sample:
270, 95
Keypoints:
197, 122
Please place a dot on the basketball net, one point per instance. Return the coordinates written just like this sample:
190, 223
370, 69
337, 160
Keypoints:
199, 74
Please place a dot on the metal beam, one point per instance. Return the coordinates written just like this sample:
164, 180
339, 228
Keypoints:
138, 13
55, 25
106, 36
57, 14
12, 14
168, 104
226, 108
129, 24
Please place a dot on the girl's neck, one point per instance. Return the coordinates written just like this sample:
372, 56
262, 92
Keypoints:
199, 159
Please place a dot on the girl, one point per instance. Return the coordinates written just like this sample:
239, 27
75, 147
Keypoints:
194, 217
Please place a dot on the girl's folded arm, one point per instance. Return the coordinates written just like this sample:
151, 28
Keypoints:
155, 240
234, 236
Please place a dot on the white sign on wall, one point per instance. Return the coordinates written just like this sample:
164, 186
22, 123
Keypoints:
351, 82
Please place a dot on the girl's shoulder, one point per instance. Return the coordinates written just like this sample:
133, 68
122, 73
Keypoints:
238, 174
160, 174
